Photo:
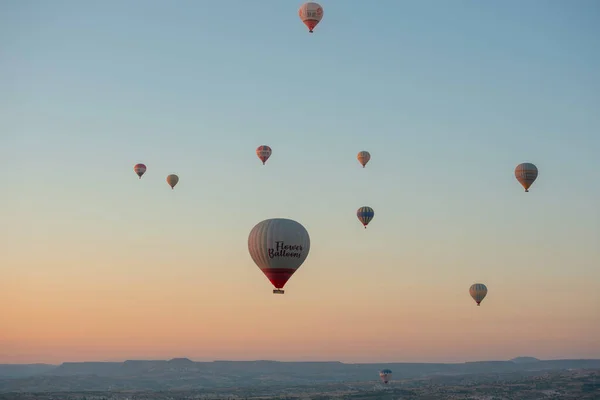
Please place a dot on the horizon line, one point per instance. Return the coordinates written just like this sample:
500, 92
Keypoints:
298, 361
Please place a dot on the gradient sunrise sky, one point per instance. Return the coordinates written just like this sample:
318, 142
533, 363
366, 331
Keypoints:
448, 96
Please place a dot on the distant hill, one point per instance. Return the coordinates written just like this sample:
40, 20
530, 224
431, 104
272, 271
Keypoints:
181, 362
524, 360
184, 374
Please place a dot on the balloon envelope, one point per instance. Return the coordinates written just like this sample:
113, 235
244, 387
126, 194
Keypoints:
478, 292
363, 157
311, 14
365, 214
263, 152
278, 246
172, 180
139, 169
385, 375
526, 174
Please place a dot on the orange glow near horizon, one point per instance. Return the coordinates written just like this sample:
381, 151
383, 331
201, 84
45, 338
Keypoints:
56, 318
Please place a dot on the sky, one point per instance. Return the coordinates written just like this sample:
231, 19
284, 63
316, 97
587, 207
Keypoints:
448, 97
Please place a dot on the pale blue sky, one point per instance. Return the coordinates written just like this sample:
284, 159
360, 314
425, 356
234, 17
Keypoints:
447, 96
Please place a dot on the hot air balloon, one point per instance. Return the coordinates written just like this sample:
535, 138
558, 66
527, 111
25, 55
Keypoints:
363, 157
263, 152
172, 180
526, 174
365, 215
385, 375
278, 246
311, 14
478, 292
139, 169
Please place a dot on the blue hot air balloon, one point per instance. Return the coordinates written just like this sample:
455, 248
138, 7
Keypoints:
365, 214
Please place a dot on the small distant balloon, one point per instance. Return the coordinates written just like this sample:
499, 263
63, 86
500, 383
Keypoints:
526, 174
172, 180
363, 157
365, 214
279, 247
139, 169
263, 152
311, 14
478, 291
385, 375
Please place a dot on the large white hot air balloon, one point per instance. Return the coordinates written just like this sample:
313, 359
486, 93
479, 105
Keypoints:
278, 246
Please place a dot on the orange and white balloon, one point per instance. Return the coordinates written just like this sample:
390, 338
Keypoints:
363, 157
263, 152
311, 14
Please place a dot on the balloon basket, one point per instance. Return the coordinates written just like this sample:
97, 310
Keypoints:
278, 291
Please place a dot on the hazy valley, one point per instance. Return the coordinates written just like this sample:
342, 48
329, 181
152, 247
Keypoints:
521, 378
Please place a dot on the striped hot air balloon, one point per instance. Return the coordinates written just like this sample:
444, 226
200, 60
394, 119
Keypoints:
478, 292
311, 14
363, 157
140, 169
365, 214
263, 152
385, 375
278, 246
526, 174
